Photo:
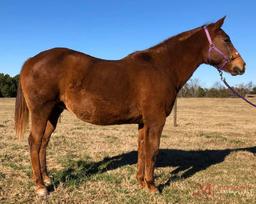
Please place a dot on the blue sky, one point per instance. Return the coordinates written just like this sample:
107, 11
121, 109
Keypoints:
114, 28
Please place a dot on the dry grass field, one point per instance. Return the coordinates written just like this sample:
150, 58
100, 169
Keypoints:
209, 158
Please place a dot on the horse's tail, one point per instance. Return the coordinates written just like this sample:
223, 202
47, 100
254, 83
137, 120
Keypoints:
21, 113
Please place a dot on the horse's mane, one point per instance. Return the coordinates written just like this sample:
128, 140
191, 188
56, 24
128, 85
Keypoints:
177, 38
165, 44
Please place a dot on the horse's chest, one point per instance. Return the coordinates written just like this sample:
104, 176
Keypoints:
169, 106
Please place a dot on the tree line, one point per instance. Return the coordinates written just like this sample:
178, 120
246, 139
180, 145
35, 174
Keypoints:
193, 89
9, 85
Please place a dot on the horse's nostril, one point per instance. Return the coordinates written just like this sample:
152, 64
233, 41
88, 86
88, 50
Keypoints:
238, 70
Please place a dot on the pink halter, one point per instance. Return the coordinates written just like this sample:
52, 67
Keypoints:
212, 48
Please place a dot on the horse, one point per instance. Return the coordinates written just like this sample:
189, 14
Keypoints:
140, 88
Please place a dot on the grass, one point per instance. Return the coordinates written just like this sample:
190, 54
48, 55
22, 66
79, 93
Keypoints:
208, 158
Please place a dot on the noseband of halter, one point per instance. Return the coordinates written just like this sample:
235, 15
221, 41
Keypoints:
213, 48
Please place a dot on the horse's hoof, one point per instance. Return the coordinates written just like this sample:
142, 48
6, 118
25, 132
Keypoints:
140, 181
142, 184
151, 187
47, 181
41, 192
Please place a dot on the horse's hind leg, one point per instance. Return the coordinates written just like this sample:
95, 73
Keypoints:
38, 124
50, 127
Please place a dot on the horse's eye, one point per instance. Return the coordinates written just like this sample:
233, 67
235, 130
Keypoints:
227, 40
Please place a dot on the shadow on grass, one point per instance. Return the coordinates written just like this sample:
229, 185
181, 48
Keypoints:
187, 163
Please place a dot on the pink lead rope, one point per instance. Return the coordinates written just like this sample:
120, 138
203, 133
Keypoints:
233, 90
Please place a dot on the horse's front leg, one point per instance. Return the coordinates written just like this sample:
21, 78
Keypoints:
151, 148
141, 156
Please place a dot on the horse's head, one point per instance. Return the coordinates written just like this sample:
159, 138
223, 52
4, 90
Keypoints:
220, 51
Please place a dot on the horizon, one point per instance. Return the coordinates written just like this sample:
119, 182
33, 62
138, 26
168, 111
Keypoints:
114, 29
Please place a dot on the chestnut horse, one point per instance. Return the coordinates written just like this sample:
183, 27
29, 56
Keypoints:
140, 88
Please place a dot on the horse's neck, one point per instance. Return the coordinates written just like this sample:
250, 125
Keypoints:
191, 58
184, 56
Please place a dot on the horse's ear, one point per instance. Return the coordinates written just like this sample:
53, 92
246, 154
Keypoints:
219, 23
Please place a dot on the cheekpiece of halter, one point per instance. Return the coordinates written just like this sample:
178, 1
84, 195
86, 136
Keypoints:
212, 48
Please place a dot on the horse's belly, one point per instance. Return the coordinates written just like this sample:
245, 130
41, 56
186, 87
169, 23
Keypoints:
104, 112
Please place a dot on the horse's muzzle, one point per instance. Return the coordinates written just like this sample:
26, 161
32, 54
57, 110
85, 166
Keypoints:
238, 71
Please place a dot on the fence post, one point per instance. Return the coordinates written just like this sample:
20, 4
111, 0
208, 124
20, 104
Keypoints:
175, 114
